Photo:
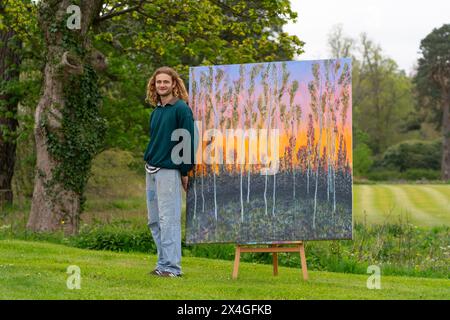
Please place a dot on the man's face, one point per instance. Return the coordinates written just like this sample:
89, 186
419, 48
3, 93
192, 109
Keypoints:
164, 84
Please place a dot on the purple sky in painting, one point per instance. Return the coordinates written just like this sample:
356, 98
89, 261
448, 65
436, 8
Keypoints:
299, 70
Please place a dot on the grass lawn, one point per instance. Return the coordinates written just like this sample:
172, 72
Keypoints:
37, 270
424, 205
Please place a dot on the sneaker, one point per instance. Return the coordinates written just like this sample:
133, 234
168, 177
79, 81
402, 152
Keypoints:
155, 272
168, 274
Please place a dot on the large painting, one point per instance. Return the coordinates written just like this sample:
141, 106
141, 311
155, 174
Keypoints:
273, 153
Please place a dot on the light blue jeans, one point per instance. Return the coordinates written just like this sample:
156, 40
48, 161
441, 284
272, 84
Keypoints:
164, 217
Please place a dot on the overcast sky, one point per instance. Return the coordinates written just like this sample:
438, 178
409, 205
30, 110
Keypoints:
397, 26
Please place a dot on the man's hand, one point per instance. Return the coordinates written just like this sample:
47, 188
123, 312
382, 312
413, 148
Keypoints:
184, 182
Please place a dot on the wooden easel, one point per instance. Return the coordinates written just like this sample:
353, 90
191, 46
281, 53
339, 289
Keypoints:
274, 249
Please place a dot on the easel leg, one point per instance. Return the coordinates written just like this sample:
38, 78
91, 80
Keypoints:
303, 260
275, 264
237, 258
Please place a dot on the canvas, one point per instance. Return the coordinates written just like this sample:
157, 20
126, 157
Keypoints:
273, 153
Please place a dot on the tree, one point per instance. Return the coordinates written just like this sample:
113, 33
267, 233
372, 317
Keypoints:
251, 26
362, 154
382, 96
340, 45
9, 71
381, 93
68, 128
18, 41
433, 85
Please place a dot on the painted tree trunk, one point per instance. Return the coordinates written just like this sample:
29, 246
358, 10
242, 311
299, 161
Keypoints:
242, 196
242, 175
265, 193
202, 165
273, 195
203, 195
248, 185
334, 190
249, 167
293, 172
216, 120
269, 123
195, 195
307, 179
328, 183
215, 197
317, 177
275, 104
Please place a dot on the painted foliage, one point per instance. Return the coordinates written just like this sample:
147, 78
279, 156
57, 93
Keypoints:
273, 157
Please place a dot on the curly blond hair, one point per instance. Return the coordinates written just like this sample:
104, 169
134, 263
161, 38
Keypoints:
179, 90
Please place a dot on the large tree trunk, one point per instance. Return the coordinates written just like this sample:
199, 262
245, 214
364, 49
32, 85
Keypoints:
54, 206
9, 71
445, 166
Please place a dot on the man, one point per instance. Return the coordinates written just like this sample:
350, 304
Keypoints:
165, 175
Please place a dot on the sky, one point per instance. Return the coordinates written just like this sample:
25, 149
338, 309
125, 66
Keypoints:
397, 26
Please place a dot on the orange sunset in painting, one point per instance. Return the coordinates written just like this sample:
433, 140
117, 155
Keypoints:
273, 153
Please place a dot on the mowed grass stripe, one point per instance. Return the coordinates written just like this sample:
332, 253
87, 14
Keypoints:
425, 202
407, 207
442, 193
426, 205
443, 190
362, 196
377, 202
431, 201
386, 202
365, 210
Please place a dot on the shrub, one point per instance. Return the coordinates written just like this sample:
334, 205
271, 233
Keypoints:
113, 177
384, 175
413, 154
362, 155
115, 237
421, 174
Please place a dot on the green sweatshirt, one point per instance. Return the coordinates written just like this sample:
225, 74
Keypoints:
163, 121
